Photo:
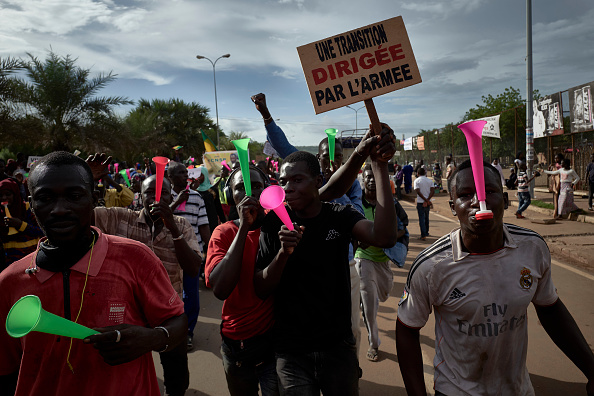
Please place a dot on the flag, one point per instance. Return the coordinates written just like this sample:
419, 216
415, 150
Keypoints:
208, 144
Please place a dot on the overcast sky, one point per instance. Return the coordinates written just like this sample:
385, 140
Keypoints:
464, 48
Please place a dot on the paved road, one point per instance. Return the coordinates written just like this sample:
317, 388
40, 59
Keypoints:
551, 372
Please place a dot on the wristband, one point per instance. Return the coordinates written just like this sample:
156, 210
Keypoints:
166, 333
178, 238
268, 119
23, 226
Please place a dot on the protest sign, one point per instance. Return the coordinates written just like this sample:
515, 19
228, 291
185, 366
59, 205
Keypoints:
212, 160
32, 158
359, 65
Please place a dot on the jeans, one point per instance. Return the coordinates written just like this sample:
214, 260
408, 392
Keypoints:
191, 301
334, 371
176, 376
423, 218
250, 365
523, 201
591, 192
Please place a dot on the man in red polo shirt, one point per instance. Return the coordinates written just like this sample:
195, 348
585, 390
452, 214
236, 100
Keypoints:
112, 284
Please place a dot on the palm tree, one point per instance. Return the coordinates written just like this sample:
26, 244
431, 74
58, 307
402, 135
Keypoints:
63, 97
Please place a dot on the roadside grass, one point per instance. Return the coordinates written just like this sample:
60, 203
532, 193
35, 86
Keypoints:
542, 204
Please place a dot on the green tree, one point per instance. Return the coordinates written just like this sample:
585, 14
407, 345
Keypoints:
157, 125
510, 105
61, 96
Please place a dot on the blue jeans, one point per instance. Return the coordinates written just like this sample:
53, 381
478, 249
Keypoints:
523, 201
423, 218
334, 371
191, 302
248, 364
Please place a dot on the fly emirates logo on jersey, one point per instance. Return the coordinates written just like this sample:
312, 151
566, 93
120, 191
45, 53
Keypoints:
494, 324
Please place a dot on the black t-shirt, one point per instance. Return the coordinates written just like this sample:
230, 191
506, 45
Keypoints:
313, 300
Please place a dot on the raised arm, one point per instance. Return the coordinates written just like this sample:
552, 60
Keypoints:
341, 181
225, 275
189, 259
381, 232
274, 133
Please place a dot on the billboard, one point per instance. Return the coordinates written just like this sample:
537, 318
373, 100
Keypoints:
580, 107
421, 142
408, 144
359, 64
547, 116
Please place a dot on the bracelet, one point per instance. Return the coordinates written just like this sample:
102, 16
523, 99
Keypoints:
268, 119
167, 333
358, 153
178, 238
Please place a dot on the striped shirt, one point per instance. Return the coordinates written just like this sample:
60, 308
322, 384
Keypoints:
194, 212
522, 182
133, 225
480, 304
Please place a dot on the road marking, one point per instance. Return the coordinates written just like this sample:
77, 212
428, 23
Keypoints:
572, 269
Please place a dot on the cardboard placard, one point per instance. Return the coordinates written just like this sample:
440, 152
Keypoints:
359, 65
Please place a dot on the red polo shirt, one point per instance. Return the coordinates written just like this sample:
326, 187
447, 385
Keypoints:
126, 284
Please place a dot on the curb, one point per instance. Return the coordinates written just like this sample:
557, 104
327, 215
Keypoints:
572, 217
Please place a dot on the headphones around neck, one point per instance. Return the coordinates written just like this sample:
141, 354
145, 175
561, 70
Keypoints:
227, 190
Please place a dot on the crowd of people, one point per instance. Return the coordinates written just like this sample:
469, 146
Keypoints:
104, 248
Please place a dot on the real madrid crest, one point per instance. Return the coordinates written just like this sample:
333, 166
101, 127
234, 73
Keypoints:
526, 279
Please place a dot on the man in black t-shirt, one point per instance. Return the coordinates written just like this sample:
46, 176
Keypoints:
308, 270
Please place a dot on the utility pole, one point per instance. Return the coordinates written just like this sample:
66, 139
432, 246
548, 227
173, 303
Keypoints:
529, 89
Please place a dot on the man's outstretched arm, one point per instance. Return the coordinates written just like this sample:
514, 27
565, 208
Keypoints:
410, 358
565, 333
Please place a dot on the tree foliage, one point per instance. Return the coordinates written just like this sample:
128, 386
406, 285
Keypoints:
61, 100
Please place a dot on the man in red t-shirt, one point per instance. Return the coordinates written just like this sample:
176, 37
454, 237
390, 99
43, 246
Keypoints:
112, 284
248, 356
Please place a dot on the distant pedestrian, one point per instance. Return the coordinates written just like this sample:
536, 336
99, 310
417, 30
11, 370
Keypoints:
407, 171
450, 167
425, 190
523, 183
437, 177
497, 166
590, 179
569, 179
554, 182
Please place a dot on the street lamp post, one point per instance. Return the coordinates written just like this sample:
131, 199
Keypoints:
214, 75
356, 111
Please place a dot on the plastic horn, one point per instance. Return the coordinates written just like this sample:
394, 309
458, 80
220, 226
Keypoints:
242, 151
27, 315
160, 163
273, 197
331, 132
126, 175
182, 206
473, 130
11, 230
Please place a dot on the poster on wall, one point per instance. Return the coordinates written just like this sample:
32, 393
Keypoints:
580, 107
547, 116
408, 144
